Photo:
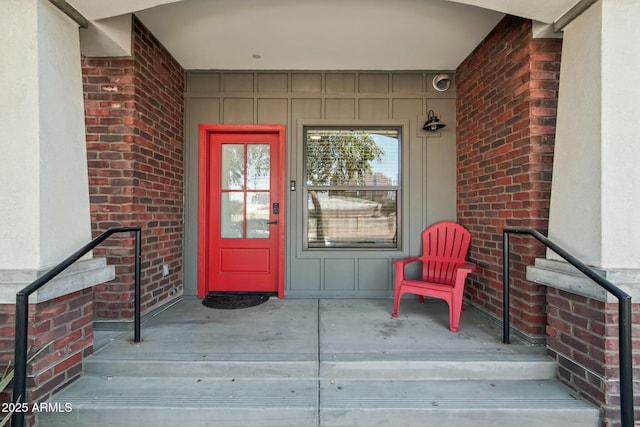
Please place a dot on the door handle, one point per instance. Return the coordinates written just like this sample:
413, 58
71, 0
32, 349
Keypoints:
272, 222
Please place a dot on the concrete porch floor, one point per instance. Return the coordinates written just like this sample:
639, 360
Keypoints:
318, 330
327, 363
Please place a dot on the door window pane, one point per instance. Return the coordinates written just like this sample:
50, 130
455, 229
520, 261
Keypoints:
232, 170
257, 215
258, 158
232, 215
244, 214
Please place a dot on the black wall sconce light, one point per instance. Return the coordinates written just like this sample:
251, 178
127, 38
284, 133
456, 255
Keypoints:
433, 123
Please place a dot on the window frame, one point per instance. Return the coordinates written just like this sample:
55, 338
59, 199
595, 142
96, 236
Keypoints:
306, 188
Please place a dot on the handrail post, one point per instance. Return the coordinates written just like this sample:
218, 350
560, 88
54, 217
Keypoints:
22, 311
137, 297
506, 333
625, 353
625, 343
20, 357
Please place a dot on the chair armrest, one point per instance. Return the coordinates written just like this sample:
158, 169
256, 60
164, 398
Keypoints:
404, 261
399, 264
461, 274
469, 267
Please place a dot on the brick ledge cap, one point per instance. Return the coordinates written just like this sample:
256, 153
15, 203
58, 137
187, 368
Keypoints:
562, 275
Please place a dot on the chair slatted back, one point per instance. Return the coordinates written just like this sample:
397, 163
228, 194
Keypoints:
444, 247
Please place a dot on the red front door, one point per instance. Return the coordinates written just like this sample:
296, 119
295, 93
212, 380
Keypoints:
241, 230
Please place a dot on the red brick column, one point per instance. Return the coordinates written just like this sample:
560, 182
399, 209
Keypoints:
135, 133
506, 106
506, 99
109, 112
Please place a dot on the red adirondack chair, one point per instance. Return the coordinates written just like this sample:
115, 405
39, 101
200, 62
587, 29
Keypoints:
444, 269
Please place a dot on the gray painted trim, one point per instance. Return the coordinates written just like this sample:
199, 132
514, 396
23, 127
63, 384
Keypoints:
127, 325
302, 251
563, 276
296, 294
81, 275
534, 340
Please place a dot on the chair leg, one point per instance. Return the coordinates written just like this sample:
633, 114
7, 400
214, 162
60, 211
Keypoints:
455, 309
396, 301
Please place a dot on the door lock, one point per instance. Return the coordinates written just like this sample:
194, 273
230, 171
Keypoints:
275, 208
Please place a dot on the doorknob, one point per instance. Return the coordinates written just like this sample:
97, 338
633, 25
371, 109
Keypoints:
272, 222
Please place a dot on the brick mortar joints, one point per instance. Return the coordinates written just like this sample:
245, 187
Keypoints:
601, 377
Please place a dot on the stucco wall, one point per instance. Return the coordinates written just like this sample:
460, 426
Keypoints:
597, 133
576, 209
43, 178
595, 200
297, 99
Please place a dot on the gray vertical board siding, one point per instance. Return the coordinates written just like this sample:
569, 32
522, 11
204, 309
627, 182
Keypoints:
299, 98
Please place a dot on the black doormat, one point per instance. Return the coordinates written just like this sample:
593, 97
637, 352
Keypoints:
235, 300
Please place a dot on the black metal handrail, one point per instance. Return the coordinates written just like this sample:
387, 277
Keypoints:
22, 311
624, 315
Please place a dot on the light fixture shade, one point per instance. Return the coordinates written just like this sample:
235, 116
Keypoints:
433, 123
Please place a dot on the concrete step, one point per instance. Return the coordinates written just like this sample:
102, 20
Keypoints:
476, 403
189, 368
454, 366
301, 402
194, 402
318, 363
445, 366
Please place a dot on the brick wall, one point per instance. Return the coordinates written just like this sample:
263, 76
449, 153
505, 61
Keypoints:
506, 107
109, 110
67, 322
7, 333
65, 326
7, 325
583, 337
576, 338
134, 119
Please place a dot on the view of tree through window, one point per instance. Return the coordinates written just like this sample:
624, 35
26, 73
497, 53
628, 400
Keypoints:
352, 185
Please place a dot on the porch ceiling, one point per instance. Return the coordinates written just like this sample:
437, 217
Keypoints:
312, 34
